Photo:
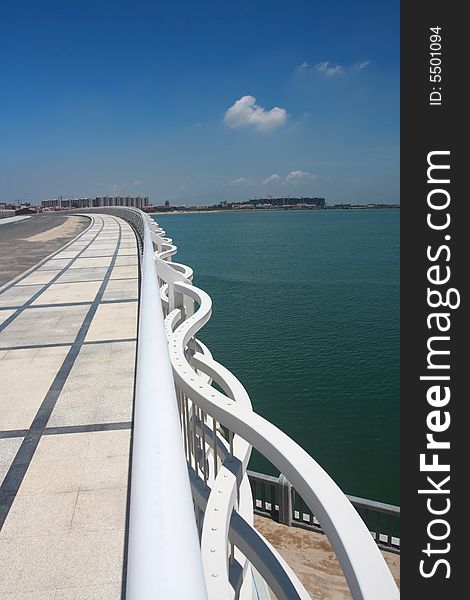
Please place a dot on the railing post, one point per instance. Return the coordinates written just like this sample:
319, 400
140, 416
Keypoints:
285, 500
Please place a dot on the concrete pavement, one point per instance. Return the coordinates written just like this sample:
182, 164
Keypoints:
67, 364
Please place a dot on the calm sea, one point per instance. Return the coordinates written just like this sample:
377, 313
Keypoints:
306, 314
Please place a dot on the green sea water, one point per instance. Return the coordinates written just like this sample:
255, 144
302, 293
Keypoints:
306, 314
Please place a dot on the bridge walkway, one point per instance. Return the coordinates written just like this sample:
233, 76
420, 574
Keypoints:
68, 332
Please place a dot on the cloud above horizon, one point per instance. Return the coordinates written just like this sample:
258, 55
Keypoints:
246, 113
297, 176
274, 178
328, 68
361, 65
294, 177
239, 181
331, 69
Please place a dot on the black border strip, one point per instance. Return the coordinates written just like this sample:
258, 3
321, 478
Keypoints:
139, 246
64, 344
85, 280
65, 304
434, 234
91, 257
65, 429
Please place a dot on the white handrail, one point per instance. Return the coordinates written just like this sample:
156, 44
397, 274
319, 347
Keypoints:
164, 559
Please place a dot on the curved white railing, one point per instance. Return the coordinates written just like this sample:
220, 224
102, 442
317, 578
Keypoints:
219, 428
193, 416
159, 545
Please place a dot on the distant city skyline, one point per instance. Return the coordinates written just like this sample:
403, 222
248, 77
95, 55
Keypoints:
200, 103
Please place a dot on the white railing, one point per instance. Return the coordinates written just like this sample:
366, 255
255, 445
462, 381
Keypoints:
163, 552
193, 416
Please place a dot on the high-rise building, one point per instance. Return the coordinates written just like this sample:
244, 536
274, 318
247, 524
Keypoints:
319, 202
97, 202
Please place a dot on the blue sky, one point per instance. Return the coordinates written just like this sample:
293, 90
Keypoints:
175, 100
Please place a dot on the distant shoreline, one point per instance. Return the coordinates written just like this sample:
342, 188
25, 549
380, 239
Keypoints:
244, 210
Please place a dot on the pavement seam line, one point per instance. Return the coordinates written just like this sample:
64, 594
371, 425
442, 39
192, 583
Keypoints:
67, 429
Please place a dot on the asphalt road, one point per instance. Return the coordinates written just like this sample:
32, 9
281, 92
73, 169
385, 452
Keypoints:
24, 244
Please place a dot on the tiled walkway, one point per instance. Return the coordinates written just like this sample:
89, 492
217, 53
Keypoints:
67, 356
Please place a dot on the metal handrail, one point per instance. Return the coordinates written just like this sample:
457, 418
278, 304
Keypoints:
158, 545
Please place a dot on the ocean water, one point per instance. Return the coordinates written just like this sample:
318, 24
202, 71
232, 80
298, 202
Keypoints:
306, 314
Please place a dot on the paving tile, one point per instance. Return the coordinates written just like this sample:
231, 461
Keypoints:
4, 314
116, 407
78, 247
91, 263
69, 292
75, 407
38, 277
17, 296
41, 514
121, 290
24, 394
124, 272
114, 321
93, 558
55, 264
33, 595
128, 251
99, 388
126, 261
96, 274
99, 252
100, 509
34, 563
8, 449
67, 253
70, 446
110, 591
109, 443
100, 244
105, 472
44, 326
51, 476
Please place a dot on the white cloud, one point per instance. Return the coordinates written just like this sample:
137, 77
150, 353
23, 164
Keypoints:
296, 176
303, 67
329, 68
137, 182
274, 178
196, 125
361, 65
245, 113
239, 181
